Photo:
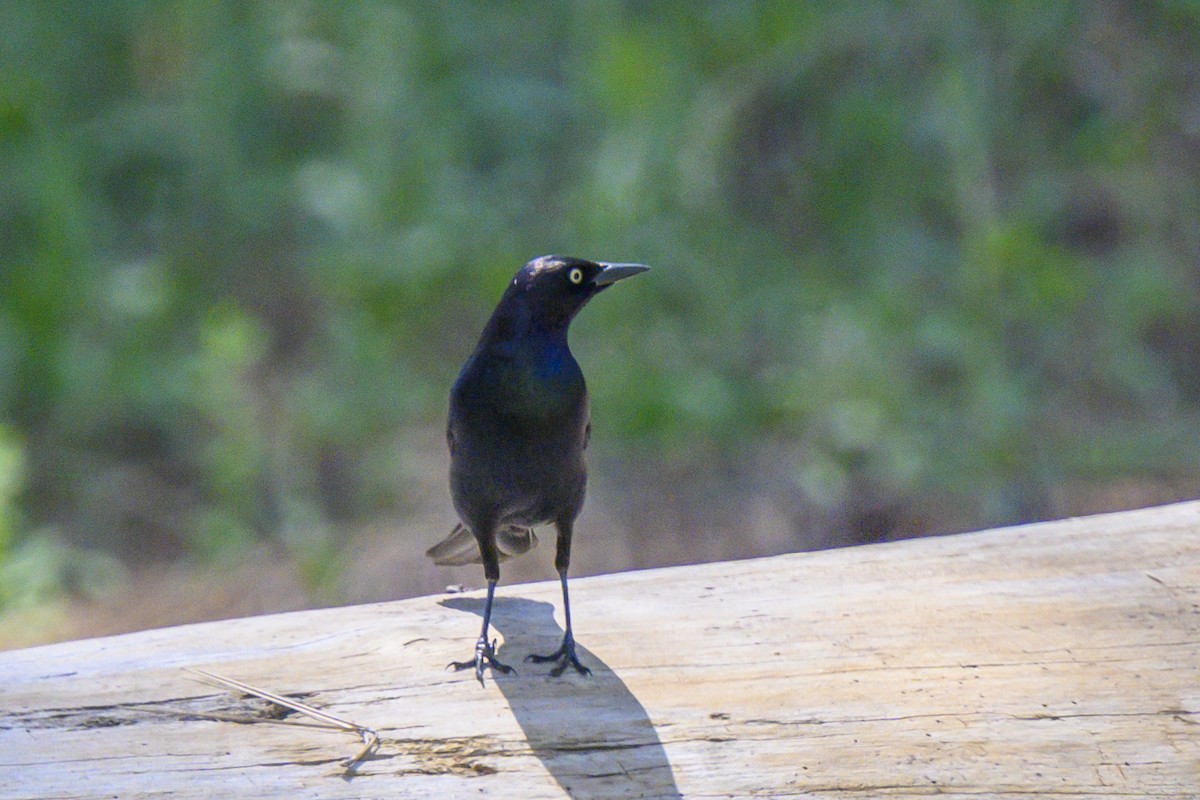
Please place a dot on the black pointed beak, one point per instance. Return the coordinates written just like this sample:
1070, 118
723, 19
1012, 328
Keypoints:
615, 272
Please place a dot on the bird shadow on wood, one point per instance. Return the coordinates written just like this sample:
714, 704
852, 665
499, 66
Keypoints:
590, 732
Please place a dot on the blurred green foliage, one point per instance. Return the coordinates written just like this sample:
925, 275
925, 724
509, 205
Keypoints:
947, 250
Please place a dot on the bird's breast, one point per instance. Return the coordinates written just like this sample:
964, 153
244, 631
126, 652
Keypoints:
518, 423
527, 388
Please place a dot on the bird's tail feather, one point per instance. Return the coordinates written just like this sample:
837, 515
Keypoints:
460, 547
515, 541
456, 549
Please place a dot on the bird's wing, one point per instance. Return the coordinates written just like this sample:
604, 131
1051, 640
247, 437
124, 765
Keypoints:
460, 547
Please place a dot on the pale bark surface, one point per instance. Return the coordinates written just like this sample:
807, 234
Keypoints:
1046, 660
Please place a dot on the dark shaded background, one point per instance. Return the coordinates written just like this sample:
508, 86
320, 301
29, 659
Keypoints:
918, 268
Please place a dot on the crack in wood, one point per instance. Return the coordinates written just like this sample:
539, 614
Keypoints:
221, 708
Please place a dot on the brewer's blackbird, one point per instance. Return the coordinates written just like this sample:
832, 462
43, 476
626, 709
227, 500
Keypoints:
519, 423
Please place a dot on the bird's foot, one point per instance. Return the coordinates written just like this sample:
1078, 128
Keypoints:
562, 658
485, 656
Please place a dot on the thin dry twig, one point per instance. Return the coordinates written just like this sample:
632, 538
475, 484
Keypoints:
369, 736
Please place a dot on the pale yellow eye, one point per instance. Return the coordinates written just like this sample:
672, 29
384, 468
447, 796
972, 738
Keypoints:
576, 275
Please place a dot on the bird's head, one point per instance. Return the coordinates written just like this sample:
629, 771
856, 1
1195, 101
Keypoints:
548, 292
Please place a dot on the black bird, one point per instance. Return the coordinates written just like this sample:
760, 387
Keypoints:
519, 423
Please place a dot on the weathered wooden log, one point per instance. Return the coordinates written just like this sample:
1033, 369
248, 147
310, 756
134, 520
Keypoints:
1046, 660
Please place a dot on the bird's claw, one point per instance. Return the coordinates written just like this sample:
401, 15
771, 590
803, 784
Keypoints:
485, 656
562, 658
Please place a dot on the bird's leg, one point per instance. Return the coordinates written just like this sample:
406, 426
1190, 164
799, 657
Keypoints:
564, 656
485, 651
